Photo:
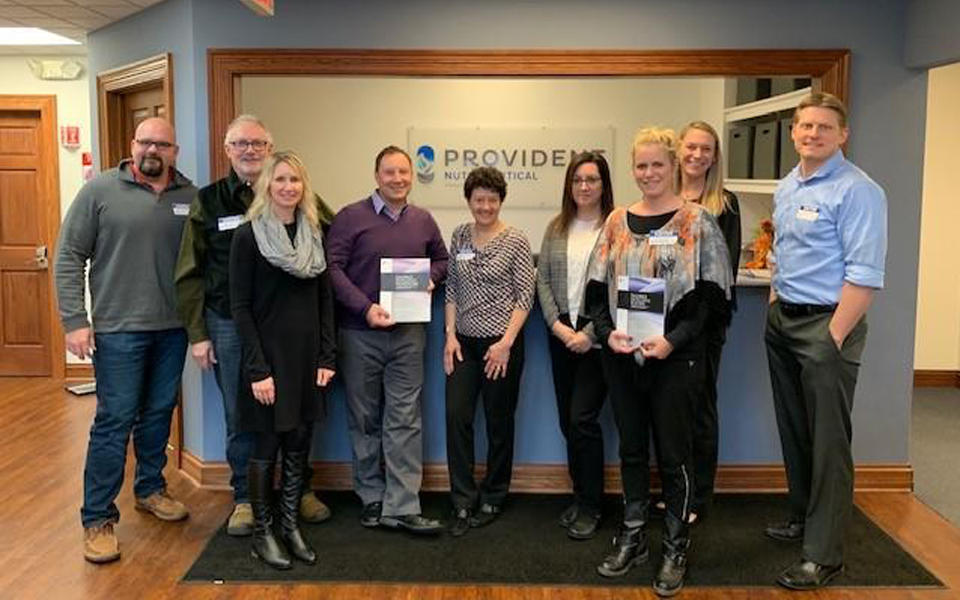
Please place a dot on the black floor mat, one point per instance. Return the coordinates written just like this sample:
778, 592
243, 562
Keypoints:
527, 546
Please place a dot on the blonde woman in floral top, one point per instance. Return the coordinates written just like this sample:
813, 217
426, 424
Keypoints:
654, 381
490, 286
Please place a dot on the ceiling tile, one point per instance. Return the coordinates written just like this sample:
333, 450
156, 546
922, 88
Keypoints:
115, 12
14, 12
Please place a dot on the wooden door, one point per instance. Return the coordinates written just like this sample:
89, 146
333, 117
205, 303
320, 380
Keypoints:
137, 106
27, 168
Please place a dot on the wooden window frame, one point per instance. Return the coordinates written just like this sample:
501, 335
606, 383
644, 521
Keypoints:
225, 67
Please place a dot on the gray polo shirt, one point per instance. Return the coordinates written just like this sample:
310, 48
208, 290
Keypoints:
131, 236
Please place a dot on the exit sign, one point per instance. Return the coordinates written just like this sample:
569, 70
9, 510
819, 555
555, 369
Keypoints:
264, 8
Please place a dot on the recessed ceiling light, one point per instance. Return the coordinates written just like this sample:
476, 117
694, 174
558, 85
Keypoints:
32, 36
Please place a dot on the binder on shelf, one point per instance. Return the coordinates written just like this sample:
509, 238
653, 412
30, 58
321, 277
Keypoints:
765, 160
788, 153
751, 89
740, 151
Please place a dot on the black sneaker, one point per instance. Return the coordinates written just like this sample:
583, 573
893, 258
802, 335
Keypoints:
370, 517
461, 522
487, 514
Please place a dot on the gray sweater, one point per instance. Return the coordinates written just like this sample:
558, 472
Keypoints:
131, 236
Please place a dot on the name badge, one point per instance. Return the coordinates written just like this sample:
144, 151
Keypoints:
466, 255
808, 213
662, 238
181, 210
228, 223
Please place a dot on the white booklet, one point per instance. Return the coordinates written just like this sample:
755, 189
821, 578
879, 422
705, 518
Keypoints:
403, 289
640, 306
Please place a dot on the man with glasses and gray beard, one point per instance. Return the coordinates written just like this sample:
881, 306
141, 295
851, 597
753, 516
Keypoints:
203, 299
127, 223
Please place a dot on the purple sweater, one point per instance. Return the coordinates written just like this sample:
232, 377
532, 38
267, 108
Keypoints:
359, 238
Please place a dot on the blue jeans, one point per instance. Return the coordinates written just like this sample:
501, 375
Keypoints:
227, 348
138, 374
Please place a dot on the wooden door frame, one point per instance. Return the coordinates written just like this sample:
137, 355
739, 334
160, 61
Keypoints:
49, 181
112, 84
225, 67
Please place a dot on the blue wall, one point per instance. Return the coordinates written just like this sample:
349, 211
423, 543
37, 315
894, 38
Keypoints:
932, 33
887, 103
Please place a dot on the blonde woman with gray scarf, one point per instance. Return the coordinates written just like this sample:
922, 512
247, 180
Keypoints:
282, 303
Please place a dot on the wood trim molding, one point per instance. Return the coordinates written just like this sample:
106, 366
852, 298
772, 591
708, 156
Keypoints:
936, 378
225, 67
79, 372
553, 479
46, 105
114, 82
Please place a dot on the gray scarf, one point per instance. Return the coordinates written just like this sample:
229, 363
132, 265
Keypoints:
303, 258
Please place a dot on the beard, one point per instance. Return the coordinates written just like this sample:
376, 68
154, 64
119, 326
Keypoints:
151, 166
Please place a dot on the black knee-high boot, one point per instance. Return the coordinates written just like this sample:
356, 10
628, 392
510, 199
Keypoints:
265, 545
673, 567
290, 491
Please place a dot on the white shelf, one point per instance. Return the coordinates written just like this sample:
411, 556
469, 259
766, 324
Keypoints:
759, 108
752, 186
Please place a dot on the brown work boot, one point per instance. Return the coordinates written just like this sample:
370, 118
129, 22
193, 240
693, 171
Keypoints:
100, 543
241, 520
162, 506
312, 509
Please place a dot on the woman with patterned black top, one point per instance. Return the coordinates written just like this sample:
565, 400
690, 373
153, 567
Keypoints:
490, 286
574, 352
676, 247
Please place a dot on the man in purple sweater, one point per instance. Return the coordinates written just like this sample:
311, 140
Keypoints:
381, 361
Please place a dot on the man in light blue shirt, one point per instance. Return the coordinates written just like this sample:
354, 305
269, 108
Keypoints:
830, 241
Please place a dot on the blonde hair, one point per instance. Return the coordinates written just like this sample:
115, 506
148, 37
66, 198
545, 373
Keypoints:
262, 200
823, 100
713, 198
657, 136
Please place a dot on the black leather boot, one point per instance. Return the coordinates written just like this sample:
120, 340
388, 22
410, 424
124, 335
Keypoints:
291, 484
265, 546
629, 549
673, 567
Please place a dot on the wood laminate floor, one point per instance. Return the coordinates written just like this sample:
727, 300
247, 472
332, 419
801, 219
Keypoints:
43, 436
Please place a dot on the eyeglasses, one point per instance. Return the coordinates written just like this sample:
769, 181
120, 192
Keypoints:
257, 145
160, 144
590, 181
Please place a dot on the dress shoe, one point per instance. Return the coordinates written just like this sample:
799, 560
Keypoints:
788, 531
413, 523
162, 506
584, 527
461, 522
370, 517
100, 543
241, 520
569, 515
487, 514
808, 575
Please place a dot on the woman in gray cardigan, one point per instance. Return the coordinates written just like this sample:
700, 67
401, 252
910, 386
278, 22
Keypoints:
577, 374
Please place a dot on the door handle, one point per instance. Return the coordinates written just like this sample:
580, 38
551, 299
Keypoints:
40, 257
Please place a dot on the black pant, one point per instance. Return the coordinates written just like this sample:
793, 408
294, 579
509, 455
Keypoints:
813, 384
658, 396
499, 404
706, 431
268, 443
580, 390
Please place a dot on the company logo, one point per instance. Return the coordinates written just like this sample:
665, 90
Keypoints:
424, 166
